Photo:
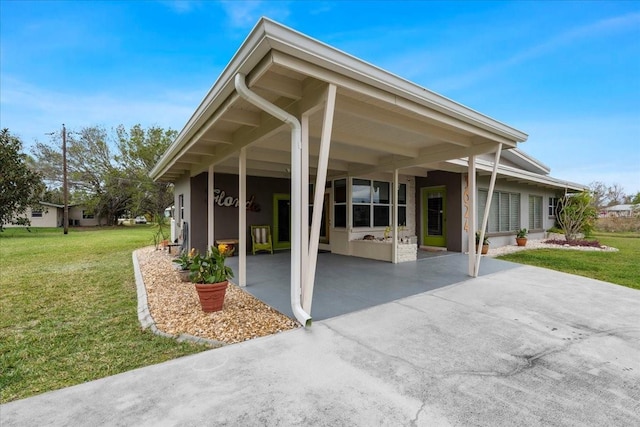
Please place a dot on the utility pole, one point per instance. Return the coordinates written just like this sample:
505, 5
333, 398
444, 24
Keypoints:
65, 187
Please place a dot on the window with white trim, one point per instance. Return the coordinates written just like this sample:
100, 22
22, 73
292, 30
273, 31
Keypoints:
87, 215
553, 206
402, 205
36, 214
504, 214
535, 212
340, 203
372, 203
181, 205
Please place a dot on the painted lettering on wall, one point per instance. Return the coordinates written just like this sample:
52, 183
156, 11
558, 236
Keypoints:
221, 199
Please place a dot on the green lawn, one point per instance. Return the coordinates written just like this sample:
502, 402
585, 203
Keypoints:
69, 309
622, 268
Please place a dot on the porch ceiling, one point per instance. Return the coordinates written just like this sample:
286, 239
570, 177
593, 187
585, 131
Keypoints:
381, 122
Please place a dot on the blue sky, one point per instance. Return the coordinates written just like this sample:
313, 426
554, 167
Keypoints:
566, 73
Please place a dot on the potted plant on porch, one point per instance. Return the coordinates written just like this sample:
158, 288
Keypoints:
184, 260
211, 277
485, 243
521, 237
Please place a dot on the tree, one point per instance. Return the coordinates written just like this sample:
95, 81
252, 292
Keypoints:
20, 186
576, 214
615, 194
599, 193
109, 172
635, 200
140, 150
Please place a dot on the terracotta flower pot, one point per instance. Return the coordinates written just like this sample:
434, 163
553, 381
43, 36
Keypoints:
521, 241
484, 250
212, 295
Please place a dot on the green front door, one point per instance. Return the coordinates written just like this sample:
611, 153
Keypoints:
434, 209
281, 221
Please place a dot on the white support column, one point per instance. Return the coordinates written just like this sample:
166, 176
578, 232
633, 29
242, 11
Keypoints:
487, 207
210, 208
318, 196
472, 214
304, 201
242, 218
394, 195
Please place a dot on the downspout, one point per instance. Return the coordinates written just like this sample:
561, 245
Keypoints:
296, 191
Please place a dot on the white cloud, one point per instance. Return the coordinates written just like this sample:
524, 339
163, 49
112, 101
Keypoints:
597, 29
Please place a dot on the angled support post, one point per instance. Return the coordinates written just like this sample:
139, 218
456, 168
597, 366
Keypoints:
487, 207
318, 196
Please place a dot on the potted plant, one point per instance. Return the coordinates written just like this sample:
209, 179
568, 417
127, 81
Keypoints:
485, 243
211, 277
521, 237
184, 260
159, 237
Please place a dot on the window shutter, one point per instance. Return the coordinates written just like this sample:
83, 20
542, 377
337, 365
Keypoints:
514, 215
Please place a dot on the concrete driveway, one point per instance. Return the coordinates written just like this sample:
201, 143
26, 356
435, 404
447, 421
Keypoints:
523, 346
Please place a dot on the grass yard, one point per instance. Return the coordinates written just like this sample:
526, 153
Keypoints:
622, 268
69, 309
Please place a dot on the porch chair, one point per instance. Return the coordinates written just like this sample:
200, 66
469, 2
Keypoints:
261, 238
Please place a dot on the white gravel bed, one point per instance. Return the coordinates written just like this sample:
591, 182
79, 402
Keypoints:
539, 244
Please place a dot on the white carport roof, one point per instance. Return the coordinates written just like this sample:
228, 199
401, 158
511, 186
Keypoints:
382, 122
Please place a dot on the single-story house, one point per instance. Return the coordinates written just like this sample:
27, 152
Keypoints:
52, 215
336, 154
620, 211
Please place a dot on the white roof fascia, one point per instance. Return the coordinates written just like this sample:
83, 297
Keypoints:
522, 174
526, 161
267, 35
294, 43
51, 205
626, 207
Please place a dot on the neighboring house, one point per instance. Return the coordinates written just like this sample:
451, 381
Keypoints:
289, 115
52, 215
620, 211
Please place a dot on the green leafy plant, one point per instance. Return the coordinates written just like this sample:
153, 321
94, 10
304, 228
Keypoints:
555, 230
522, 233
160, 227
576, 215
185, 259
484, 242
210, 268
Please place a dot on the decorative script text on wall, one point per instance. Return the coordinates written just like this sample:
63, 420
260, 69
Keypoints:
220, 198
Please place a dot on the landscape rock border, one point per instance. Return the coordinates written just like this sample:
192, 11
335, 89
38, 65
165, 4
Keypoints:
170, 308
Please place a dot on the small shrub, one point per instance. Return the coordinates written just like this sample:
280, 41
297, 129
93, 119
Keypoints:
555, 230
576, 215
